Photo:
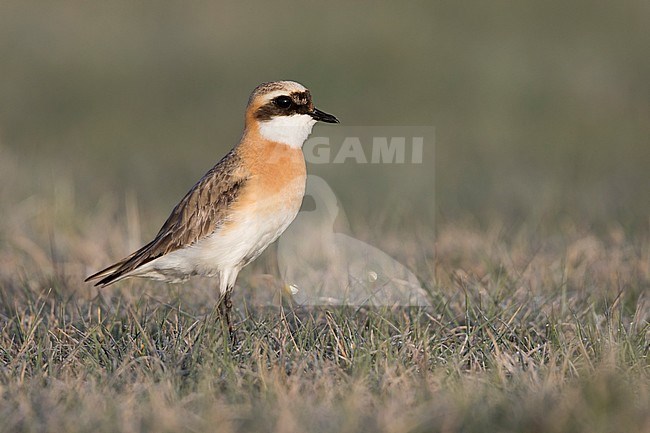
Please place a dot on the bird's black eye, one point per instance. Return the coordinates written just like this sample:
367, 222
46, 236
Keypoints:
282, 101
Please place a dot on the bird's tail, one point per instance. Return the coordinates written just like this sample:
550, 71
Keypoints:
108, 275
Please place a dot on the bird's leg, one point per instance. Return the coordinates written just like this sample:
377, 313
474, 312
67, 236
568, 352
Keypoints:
225, 307
228, 303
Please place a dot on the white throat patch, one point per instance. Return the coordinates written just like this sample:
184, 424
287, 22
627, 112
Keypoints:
290, 130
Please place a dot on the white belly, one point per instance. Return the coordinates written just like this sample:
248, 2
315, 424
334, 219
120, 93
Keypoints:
230, 248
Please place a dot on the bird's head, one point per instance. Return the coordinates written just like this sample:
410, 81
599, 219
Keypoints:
284, 112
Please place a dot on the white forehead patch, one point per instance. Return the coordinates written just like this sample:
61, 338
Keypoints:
268, 91
292, 86
290, 130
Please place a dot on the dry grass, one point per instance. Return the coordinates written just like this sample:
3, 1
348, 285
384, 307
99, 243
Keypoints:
525, 334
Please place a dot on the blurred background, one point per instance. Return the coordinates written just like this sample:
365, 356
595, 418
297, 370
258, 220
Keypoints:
541, 109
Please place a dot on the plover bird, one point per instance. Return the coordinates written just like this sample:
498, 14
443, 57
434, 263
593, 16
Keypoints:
241, 205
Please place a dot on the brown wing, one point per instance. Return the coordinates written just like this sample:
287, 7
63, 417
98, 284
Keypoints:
199, 214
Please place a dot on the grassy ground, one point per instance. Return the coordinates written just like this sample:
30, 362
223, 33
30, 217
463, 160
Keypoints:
524, 335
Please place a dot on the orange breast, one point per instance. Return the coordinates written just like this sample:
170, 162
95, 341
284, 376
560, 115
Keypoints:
276, 173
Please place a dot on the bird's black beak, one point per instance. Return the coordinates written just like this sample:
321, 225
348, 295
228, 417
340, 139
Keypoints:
323, 117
